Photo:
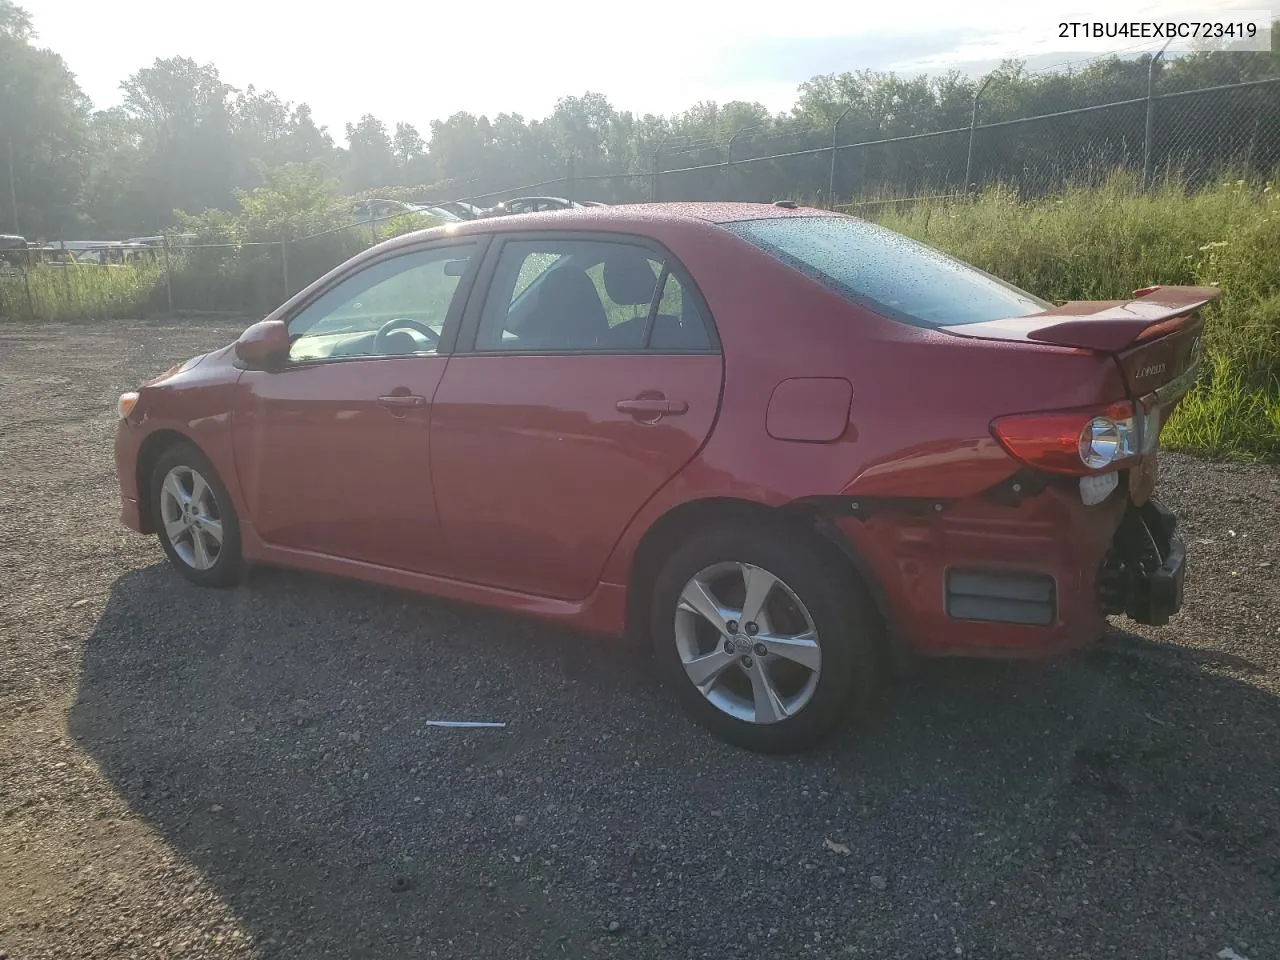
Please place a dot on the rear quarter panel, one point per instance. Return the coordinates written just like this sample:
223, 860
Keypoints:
922, 400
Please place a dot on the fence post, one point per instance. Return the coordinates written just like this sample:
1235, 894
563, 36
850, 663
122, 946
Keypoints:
66, 273
831, 180
653, 177
284, 264
13, 189
973, 127
26, 282
568, 179
168, 273
1147, 130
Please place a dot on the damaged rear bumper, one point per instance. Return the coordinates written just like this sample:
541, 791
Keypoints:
1142, 575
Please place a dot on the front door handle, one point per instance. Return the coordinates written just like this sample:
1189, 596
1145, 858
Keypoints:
399, 401
652, 407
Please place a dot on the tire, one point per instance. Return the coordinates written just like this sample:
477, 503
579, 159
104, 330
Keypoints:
805, 596
190, 537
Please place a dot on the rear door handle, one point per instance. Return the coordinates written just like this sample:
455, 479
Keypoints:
398, 401
652, 407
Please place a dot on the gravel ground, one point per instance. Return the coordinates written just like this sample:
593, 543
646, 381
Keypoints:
247, 773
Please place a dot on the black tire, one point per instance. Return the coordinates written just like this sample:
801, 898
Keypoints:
849, 630
227, 564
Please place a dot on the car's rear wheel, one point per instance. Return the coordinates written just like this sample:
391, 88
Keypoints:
194, 517
765, 642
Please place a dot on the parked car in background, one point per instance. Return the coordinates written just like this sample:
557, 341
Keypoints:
530, 205
14, 253
378, 209
462, 209
780, 444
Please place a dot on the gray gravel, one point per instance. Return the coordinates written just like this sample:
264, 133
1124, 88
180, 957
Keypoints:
247, 773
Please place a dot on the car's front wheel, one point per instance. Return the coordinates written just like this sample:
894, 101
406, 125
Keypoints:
194, 517
764, 641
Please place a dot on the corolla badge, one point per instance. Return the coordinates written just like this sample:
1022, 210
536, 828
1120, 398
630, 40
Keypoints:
1151, 370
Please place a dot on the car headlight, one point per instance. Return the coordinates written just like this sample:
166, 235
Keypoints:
126, 403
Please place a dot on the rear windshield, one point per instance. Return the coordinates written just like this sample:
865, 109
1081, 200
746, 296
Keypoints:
886, 272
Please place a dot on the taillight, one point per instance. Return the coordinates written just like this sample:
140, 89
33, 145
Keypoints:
1078, 442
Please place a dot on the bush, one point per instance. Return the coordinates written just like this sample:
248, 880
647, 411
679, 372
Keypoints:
236, 261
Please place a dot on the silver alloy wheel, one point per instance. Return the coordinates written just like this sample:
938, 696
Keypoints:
191, 517
747, 642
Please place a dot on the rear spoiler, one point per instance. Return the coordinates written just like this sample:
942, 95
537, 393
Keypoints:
1120, 323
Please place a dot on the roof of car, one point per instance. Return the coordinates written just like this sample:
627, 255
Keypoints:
594, 218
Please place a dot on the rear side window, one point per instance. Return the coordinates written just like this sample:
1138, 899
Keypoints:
886, 272
586, 296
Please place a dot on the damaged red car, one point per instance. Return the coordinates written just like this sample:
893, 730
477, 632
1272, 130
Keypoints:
780, 444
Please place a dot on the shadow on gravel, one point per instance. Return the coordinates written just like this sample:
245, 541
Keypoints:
1126, 800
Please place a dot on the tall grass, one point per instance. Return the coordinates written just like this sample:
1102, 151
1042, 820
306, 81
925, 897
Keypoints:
1103, 242
78, 292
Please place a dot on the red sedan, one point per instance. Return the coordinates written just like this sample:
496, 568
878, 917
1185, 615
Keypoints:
782, 444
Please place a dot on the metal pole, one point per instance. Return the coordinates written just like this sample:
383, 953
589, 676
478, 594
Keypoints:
66, 274
568, 186
653, 177
728, 159
831, 180
728, 162
26, 280
284, 264
1146, 135
168, 274
13, 190
973, 126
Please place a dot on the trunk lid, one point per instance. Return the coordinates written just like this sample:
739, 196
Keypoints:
1154, 337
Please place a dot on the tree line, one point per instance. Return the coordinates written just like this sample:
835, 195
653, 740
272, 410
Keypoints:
182, 139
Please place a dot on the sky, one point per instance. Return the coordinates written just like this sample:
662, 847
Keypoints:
416, 61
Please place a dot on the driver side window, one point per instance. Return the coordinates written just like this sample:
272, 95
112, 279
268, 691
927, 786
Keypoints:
396, 307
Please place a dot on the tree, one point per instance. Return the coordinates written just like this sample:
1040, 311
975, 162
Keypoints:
43, 133
113, 191
15, 22
413, 166
460, 144
306, 140
370, 161
579, 128
186, 156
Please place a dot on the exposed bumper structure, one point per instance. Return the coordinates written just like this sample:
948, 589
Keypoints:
1143, 573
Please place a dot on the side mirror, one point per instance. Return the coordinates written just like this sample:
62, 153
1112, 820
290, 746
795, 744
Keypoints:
263, 345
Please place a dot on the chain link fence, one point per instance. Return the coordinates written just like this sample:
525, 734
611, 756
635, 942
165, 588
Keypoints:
1190, 136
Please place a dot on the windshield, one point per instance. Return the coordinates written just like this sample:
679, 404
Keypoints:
886, 272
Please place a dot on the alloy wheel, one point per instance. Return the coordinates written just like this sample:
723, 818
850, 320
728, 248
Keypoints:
747, 642
191, 517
